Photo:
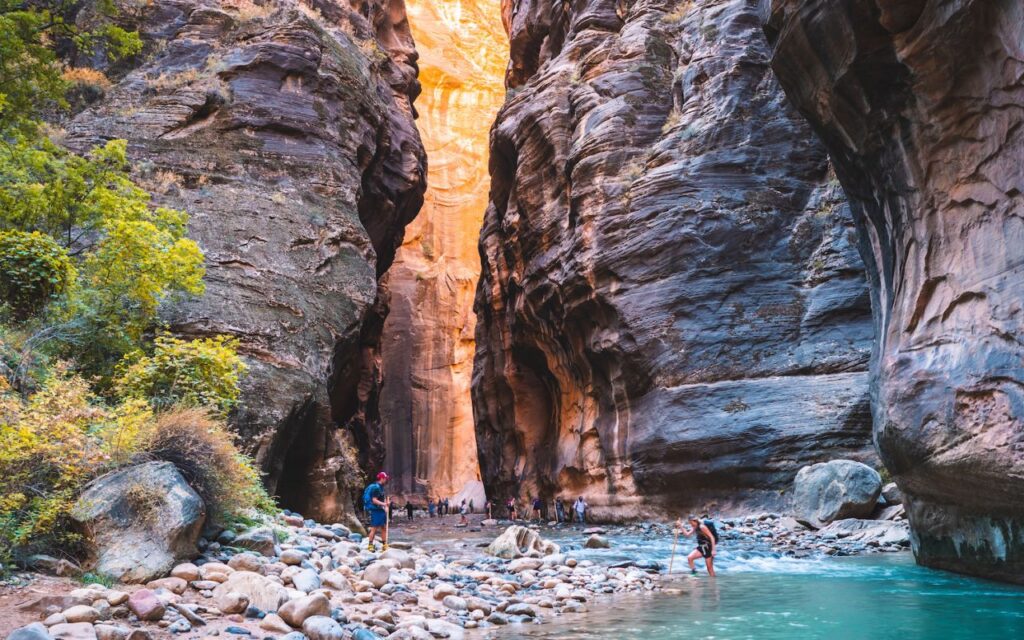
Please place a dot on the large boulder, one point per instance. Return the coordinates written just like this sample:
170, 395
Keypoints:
829, 491
140, 522
518, 541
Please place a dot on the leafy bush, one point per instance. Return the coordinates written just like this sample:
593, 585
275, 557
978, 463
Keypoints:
33, 271
204, 451
199, 373
61, 437
50, 446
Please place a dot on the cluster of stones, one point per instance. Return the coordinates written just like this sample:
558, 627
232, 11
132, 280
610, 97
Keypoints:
298, 579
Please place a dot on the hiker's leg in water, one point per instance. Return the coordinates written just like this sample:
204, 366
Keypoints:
710, 562
693, 558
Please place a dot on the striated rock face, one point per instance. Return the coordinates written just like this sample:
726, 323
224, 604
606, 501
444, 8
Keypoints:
286, 131
427, 344
671, 308
921, 105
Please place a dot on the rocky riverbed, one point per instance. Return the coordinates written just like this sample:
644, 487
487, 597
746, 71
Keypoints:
292, 576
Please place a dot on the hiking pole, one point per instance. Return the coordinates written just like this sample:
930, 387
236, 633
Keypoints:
387, 523
672, 559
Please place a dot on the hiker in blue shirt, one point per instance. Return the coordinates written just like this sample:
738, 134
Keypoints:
375, 503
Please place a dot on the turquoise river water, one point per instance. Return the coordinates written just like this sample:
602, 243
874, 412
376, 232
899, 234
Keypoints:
760, 595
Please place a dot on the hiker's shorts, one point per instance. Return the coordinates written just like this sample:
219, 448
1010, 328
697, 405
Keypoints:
378, 518
705, 549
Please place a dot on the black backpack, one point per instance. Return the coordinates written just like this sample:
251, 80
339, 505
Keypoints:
711, 527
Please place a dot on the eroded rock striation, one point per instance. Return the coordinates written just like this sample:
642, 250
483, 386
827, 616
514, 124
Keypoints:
286, 131
921, 105
672, 309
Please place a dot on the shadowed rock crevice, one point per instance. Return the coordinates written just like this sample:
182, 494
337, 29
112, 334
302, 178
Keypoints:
921, 105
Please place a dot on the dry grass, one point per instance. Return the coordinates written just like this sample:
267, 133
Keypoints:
204, 451
85, 76
169, 81
311, 12
678, 14
247, 10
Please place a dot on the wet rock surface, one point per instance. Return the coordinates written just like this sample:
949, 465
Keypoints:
286, 131
671, 293
921, 105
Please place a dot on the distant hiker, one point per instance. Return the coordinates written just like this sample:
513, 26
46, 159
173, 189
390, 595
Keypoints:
463, 511
408, 509
537, 504
511, 506
374, 502
489, 508
559, 509
580, 507
391, 509
431, 507
471, 505
707, 542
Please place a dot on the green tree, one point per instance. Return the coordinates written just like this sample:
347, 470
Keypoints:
199, 373
31, 79
34, 270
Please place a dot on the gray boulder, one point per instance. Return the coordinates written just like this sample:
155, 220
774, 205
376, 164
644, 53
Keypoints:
830, 491
140, 522
261, 540
892, 494
34, 631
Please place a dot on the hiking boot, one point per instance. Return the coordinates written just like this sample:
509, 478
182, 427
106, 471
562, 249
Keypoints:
385, 547
372, 548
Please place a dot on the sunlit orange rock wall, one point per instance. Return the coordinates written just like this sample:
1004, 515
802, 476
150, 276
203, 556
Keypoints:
428, 343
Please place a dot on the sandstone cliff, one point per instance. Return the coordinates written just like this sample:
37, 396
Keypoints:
672, 309
428, 336
286, 131
921, 105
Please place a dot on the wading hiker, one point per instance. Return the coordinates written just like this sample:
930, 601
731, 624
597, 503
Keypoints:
537, 504
463, 511
511, 506
488, 507
559, 510
408, 509
581, 510
375, 502
707, 542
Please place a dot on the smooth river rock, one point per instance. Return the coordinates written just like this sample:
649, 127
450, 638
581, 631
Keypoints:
672, 308
921, 105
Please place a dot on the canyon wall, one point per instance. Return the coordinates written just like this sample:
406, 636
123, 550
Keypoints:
921, 105
286, 131
672, 311
427, 343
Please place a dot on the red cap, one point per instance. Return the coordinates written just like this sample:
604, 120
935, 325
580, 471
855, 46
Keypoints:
382, 476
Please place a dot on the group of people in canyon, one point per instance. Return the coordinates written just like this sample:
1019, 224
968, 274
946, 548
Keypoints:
380, 509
